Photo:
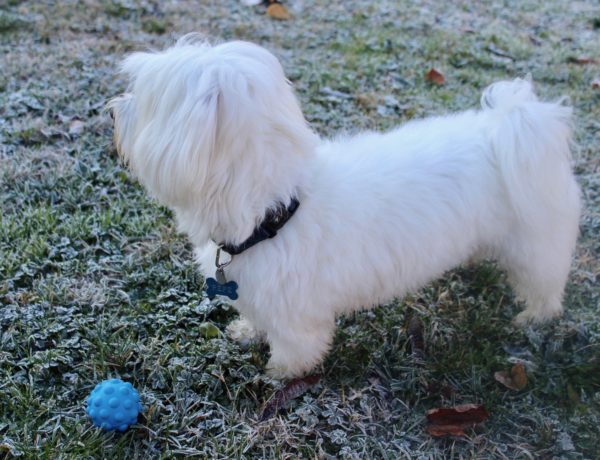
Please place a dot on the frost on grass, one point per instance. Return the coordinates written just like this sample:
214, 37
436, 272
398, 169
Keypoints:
96, 283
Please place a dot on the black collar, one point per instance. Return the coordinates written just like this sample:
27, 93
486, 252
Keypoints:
268, 228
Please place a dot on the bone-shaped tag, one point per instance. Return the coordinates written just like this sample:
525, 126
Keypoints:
214, 288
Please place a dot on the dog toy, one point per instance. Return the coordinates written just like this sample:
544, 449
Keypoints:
114, 405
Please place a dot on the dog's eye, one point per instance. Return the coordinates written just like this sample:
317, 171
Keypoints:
111, 112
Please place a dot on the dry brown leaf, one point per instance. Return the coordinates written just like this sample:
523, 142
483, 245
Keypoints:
445, 430
278, 11
465, 413
453, 420
583, 60
596, 83
435, 76
519, 376
292, 390
515, 379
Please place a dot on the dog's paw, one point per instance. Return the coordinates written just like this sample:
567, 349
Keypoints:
530, 316
243, 332
285, 369
524, 318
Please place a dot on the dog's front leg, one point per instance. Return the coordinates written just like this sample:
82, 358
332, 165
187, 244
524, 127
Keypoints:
243, 331
297, 349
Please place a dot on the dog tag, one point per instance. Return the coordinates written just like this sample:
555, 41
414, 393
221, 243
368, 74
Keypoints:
221, 286
220, 275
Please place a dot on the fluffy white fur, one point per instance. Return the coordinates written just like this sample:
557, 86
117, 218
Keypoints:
216, 133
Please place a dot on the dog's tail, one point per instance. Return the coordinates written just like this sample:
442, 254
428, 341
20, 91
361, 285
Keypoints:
507, 94
531, 145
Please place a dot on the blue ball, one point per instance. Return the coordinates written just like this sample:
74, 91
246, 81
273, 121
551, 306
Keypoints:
114, 405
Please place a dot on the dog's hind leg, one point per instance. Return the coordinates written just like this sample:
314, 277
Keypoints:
531, 147
538, 263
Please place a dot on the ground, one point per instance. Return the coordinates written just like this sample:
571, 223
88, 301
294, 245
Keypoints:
95, 282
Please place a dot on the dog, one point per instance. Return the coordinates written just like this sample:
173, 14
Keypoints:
216, 133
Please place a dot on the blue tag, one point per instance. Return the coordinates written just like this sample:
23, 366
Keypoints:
214, 288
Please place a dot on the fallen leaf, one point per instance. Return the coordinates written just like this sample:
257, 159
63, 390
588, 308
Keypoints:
278, 11
465, 413
76, 127
415, 333
209, 330
445, 430
292, 390
454, 420
515, 379
596, 83
435, 76
582, 60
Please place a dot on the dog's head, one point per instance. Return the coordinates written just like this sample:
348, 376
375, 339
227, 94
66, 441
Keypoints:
198, 120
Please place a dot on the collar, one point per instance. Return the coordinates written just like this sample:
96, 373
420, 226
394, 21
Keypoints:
274, 220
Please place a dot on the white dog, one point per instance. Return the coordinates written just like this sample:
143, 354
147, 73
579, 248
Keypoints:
217, 134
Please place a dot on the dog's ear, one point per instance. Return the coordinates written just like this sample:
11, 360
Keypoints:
258, 112
238, 109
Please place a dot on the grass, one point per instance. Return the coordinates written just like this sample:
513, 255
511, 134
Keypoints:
96, 283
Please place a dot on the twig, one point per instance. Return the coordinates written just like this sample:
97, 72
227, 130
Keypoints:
292, 390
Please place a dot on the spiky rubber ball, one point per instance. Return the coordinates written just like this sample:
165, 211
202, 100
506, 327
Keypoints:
114, 405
